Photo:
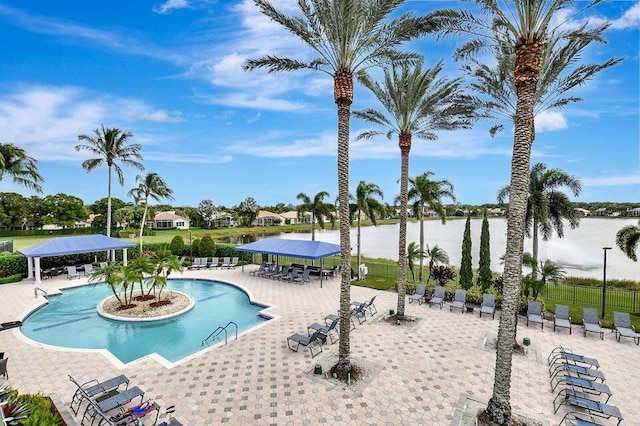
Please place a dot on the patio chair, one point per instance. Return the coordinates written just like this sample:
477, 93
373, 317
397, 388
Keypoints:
226, 261
590, 322
72, 272
303, 278
575, 398
360, 313
573, 418
88, 269
269, 268
459, 301
418, 294
333, 317
561, 354
283, 272
181, 261
196, 263
3, 368
534, 313
367, 305
94, 387
438, 297
308, 341
214, 263
623, 328
117, 400
330, 331
230, 264
262, 267
583, 385
292, 274
561, 318
488, 305
579, 370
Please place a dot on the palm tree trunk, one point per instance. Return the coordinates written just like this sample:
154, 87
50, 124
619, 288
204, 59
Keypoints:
358, 244
144, 218
343, 95
405, 147
534, 249
109, 253
313, 226
528, 64
421, 213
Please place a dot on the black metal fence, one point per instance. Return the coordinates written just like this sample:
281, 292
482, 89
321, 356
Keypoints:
615, 298
6, 246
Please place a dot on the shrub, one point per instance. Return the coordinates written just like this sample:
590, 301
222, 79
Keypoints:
177, 246
442, 274
12, 264
41, 410
11, 279
195, 247
207, 246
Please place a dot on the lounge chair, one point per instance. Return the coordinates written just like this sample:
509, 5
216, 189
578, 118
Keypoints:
273, 271
181, 261
292, 274
579, 419
367, 305
534, 313
226, 261
3, 368
117, 400
418, 294
262, 267
330, 331
561, 318
283, 272
94, 387
88, 269
488, 305
302, 278
332, 317
561, 354
72, 272
583, 385
590, 322
360, 313
214, 262
578, 399
459, 301
623, 328
438, 297
580, 370
233, 263
308, 341
196, 263
269, 268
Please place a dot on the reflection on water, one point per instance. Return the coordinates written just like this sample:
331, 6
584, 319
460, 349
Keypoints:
579, 252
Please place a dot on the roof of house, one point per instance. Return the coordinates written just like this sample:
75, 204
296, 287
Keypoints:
167, 216
266, 213
291, 214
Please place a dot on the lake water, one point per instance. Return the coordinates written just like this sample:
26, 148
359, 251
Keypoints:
579, 252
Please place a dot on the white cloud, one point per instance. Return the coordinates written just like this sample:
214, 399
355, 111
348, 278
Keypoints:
550, 120
248, 100
170, 5
630, 18
633, 179
176, 157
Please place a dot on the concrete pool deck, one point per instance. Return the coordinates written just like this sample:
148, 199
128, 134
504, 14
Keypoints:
419, 375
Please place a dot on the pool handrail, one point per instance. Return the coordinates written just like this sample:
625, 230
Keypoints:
219, 330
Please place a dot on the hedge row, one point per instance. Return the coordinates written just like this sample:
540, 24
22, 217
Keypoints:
53, 233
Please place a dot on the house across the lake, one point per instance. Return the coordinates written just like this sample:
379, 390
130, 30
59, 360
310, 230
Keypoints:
167, 220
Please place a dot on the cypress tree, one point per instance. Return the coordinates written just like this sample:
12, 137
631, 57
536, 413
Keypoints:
466, 270
484, 270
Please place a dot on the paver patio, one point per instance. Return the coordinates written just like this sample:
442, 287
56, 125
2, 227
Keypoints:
423, 374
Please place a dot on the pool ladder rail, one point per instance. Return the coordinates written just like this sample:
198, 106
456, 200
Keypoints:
221, 329
38, 289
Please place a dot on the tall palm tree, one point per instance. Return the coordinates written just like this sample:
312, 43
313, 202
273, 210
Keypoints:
417, 103
547, 207
149, 186
348, 36
23, 169
524, 31
318, 209
627, 240
414, 252
436, 255
427, 193
110, 146
367, 204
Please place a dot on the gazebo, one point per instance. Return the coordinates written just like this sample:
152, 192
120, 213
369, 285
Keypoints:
70, 245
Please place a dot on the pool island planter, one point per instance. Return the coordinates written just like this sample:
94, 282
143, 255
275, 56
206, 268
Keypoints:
162, 313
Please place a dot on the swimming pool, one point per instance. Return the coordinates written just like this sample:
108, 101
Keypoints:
70, 320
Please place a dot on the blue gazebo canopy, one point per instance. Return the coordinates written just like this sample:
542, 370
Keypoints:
294, 248
75, 244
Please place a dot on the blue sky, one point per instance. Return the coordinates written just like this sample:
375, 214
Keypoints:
171, 73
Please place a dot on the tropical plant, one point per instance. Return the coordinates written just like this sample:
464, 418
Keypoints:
547, 206
164, 263
436, 255
110, 146
367, 204
149, 186
485, 275
533, 35
627, 240
427, 193
111, 274
135, 272
318, 209
414, 253
443, 274
13, 410
348, 36
418, 103
22, 169
466, 268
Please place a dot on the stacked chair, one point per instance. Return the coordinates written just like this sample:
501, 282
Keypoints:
578, 383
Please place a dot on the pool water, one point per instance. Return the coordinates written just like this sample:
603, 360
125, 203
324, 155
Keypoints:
70, 320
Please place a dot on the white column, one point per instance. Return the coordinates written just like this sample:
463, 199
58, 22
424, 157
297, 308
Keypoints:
37, 270
124, 257
30, 267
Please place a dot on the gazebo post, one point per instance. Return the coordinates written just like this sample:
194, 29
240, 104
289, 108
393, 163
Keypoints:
37, 269
124, 256
30, 268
